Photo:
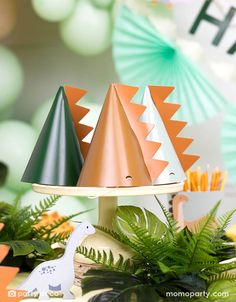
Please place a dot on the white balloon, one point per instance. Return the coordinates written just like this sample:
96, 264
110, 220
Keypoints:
53, 10
11, 78
88, 30
17, 143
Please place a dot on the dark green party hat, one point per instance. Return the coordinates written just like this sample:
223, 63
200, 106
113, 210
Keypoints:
56, 158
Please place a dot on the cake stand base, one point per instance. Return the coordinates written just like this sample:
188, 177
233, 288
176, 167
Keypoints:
108, 201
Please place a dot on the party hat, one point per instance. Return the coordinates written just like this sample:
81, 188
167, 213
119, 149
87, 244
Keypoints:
228, 141
173, 127
56, 158
174, 171
119, 155
143, 57
78, 112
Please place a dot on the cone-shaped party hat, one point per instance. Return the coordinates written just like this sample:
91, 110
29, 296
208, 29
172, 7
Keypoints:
174, 171
78, 112
119, 155
166, 111
56, 159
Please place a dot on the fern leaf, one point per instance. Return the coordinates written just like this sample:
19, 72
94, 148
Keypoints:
222, 277
107, 260
44, 206
172, 224
224, 220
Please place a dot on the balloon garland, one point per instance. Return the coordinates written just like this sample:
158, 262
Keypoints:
53, 10
17, 142
88, 30
85, 25
11, 78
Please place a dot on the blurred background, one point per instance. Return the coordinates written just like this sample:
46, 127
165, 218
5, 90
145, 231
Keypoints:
92, 43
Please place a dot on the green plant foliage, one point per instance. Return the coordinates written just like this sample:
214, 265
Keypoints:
29, 244
225, 288
165, 258
107, 259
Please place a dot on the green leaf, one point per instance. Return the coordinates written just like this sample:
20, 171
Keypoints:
222, 291
125, 287
172, 224
40, 246
141, 217
20, 248
106, 260
5, 209
165, 269
23, 248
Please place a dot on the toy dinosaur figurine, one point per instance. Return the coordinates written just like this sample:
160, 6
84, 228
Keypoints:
178, 214
57, 275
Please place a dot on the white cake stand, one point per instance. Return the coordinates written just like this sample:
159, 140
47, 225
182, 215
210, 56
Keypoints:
108, 200
108, 197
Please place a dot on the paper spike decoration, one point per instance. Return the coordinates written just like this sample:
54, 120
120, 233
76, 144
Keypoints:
56, 158
78, 112
116, 156
144, 57
173, 127
133, 112
7, 274
228, 141
173, 172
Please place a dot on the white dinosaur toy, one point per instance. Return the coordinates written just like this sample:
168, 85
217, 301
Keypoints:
57, 275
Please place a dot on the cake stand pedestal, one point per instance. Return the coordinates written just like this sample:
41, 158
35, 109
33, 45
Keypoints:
108, 197
108, 201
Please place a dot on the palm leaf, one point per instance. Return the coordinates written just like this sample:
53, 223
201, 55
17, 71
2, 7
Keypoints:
141, 217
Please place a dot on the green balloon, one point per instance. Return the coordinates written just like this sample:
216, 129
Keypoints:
7, 195
11, 78
66, 205
88, 30
53, 10
17, 141
41, 114
103, 3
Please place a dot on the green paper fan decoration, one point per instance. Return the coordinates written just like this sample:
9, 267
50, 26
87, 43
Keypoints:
228, 141
143, 57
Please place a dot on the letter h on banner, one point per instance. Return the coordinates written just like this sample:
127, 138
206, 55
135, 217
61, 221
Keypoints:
222, 24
